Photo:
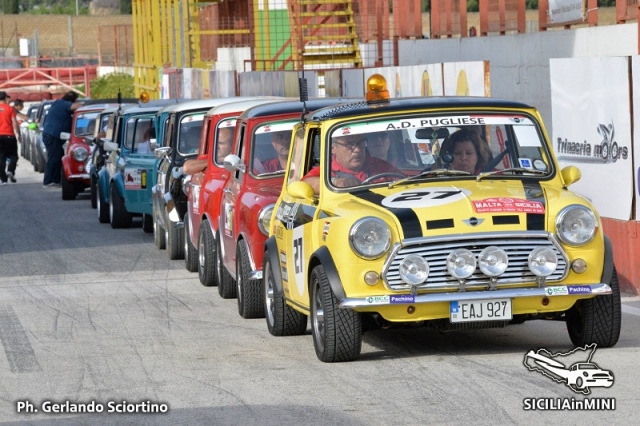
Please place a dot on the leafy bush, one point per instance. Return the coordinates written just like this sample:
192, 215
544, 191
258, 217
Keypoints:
108, 86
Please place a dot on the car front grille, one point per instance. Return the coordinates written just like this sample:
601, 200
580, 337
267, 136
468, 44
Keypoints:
518, 246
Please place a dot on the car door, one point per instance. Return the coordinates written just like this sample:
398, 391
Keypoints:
139, 165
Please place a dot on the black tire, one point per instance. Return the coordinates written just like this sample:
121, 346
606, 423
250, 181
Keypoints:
249, 292
207, 256
103, 208
147, 223
337, 333
579, 383
282, 319
175, 239
190, 252
158, 234
226, 285
596, 320
118, 214
94, 192
68, 188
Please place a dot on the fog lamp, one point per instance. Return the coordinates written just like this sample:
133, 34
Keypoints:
493, 261
414, 270
543, 261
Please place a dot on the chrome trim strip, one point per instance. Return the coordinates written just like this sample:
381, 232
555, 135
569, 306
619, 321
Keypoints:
255, 275
80, 176
596, 290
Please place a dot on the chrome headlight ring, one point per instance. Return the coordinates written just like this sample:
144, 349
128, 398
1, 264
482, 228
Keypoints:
80, 154
576, 225
370, 238
264, 218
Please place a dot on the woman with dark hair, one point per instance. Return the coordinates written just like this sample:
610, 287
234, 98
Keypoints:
470, 152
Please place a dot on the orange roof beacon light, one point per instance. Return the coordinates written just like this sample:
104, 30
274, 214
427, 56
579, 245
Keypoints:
144, 97
377, 90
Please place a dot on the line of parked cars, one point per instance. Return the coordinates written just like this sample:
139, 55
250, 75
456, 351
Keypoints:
356, 214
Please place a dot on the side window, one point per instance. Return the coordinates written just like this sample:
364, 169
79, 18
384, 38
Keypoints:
299, 167
224, 140
206, 133
129, 133
239, 149
142, 138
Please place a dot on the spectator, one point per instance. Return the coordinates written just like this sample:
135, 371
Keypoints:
9, 134
350, 163
18, 105
57, 120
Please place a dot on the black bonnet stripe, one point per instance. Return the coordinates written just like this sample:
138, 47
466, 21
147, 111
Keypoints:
407, 217
533, 191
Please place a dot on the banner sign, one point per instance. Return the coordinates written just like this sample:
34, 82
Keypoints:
566, 11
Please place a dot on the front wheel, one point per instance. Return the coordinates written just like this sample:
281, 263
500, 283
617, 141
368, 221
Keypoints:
596, 320
250, 296
175, 242
68, 188
94, 192
147, 223
282, 319
337, 333
103, 207
158, 233
118, 214
226, 286
206, 255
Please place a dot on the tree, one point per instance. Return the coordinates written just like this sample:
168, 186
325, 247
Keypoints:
10, 7
108, 86
125, 7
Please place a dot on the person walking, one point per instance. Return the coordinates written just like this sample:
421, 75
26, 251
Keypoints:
9, 134
57, 120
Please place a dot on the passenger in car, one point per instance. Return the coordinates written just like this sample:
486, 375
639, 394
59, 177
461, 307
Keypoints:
470, 152
144, 145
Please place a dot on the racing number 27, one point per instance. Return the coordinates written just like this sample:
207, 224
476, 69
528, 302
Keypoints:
297, 255
420, 195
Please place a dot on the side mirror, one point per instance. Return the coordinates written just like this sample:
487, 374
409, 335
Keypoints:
153, 143
162, 152
570, 174
109, 146
232, 163
301, 190
65, 136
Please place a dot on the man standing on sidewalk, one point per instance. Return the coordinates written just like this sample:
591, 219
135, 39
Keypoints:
9, 134
57, 120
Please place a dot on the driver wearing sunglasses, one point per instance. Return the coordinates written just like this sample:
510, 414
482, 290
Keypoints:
351, 164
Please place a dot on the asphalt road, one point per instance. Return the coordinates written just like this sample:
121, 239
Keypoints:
89, 314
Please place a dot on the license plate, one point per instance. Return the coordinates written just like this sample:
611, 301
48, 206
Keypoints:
481, 310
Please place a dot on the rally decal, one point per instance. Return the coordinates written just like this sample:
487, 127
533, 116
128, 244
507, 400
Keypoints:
228, 219
135, 179
432, 197
407, 217
297, 251
534, 193
507, 205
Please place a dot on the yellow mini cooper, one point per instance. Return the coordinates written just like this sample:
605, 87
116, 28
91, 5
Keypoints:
450, 212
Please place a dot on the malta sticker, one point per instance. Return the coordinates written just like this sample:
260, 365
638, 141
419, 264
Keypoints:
511, 205
135, 178
432, 197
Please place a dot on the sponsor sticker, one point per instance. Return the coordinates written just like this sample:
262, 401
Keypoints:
405, 298
579, 289
135, 178
505, 204
377, 300
556, 291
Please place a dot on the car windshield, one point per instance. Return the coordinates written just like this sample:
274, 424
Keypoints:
189, 137
85, 124
270, 150
424, 147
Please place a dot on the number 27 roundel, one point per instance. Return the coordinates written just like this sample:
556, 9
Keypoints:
430, 197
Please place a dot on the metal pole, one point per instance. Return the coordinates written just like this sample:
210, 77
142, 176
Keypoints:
77, 10
70, 35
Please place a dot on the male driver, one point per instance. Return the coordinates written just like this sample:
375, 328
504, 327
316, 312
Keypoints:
9, 132
225, 136
350, 163
281, 141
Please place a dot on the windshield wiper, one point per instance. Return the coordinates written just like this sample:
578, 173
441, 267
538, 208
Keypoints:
512, 169
428, 173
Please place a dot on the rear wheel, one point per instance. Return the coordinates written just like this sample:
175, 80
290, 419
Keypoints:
190, 252
226, 286
337, 333
147, 223
282, 319
68, 188
206, 255
596, 320
103, 207
118, 214
250, 298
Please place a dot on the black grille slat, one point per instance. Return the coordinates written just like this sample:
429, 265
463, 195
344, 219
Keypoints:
436, 252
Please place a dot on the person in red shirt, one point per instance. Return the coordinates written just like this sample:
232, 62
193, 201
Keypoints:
281, 141
350, 163
9, 134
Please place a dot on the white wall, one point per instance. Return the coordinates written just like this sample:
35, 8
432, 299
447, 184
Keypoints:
519, 64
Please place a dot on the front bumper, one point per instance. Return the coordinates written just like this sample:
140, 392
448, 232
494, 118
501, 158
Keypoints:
404, 299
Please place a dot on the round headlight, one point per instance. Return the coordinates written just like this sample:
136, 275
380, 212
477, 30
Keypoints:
493, 261
370, 237
461, 263
414, 270
576, 225
80, 154
543, 261
264, 219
